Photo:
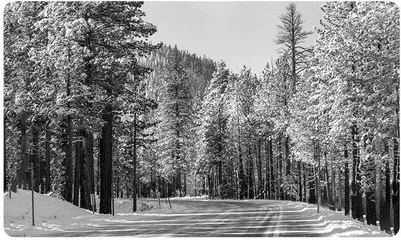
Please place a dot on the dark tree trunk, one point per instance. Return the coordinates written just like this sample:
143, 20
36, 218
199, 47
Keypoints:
134, 184
210, 184
318, 191
35, 157
106, 173
386, 209
370, 208
339, 192
287, 156
304, 176
88, 181
250, 174
312, 185
396, 187
356, 199
270, 169
353, 184
260, 179
185, 181
346, 182
326, 174
333, 187
86, 178
5, 179
241, 172
377, 191
385, 194
271, 179
78, 166
280, 169
203, 185
300, 173
22, 180
48, 156
66, 145
178, 185
220, 179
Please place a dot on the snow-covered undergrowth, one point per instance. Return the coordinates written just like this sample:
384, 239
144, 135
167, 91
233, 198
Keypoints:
50, 214
338, 224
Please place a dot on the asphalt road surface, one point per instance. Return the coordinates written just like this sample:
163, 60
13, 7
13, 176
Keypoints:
211, 218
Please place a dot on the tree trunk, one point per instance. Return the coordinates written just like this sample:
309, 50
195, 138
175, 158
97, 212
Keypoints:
89, 182
377, 191
385, 194
280, 169
339, 192
353, 183
327, 178
178, 182
312, 184
300, 172
106, 173
333, 198
260, 180
86, 179
287, 155
78, 166
318, 193
134, 184
271, 181
304, 176
396, 187
66, 144
241, 172
210, 184
185, 182
250, 174
266, 185
47, 156
35, 156
346, 182
5, 179
22, 180
387, 213
370, 208
357, 210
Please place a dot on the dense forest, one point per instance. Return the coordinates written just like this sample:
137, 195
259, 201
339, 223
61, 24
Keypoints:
91, 106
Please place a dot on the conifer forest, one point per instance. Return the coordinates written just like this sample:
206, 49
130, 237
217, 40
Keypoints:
91, 106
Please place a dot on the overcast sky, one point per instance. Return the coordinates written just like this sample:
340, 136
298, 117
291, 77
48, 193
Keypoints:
240, 33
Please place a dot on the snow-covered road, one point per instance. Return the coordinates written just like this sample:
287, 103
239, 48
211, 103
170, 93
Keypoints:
213, 219
189, 217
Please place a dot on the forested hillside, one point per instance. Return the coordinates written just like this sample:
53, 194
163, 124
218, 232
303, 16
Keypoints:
92, 107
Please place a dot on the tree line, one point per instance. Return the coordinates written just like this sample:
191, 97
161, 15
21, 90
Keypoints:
97, 108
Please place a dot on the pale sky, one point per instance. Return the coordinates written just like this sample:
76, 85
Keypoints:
239, 32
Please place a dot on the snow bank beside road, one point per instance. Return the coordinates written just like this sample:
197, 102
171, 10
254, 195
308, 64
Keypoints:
338, 224
50, 213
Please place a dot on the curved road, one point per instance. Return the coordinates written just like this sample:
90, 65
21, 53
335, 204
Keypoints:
212, 218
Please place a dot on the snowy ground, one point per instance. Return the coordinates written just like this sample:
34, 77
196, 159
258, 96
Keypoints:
340, 225
53, 215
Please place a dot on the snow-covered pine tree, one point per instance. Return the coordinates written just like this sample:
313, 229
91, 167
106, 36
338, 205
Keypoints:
213, 129
290, 38
175, 117
357, 53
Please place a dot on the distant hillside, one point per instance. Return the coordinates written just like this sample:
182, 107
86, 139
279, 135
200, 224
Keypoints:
200, 70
